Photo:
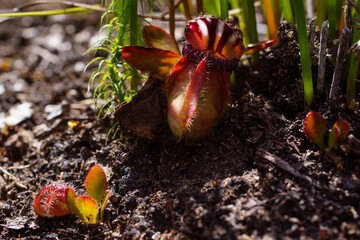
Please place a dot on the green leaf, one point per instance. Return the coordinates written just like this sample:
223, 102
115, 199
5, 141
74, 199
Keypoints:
315, 128
88, 208
153, 60
96, 183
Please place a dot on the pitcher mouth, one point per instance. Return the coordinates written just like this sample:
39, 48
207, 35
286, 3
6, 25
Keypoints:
215, 63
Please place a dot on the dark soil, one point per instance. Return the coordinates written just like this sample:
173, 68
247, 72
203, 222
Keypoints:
255, 177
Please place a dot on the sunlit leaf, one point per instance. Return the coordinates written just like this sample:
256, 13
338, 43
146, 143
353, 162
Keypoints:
152, 60
315, 128
88, 207
157, 37
96, 183
70, 198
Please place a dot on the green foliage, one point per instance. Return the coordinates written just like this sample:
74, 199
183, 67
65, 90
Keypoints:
115, 80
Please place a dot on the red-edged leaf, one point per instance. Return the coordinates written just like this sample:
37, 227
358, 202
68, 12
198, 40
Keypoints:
88, 208
315, 128
104, 203
333, 136
70, 198
192, 94
181, 68
157, 37
251, 48
152, 60
344, 128
96, 183
56, 204
39, 204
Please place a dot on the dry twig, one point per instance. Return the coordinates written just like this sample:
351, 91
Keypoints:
282, 164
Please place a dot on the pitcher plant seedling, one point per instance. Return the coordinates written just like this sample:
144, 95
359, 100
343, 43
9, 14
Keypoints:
60, 199
316, 131
198, 83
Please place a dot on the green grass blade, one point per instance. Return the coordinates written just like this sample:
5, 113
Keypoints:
354, 66
333, 18
248, 11
235, 5
287, 10
224, 9
212, 7
48, 12
304, 51
321, 10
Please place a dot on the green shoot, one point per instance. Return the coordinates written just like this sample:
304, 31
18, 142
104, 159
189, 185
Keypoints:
354, 66
115, 80
304, 52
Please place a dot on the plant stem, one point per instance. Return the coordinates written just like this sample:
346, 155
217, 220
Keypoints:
199, 7
133, 22
270, 18
171, 18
